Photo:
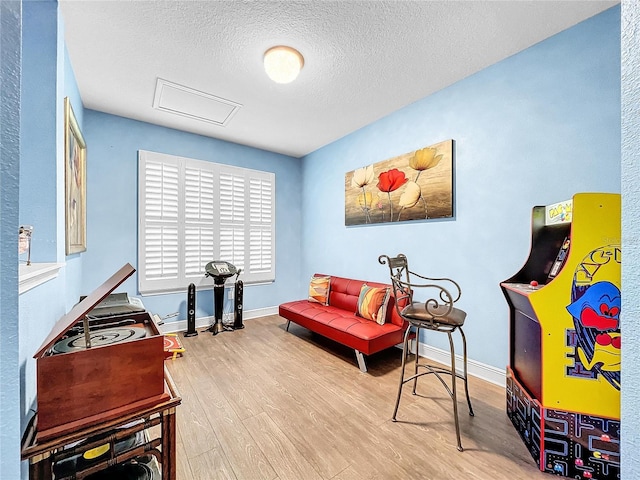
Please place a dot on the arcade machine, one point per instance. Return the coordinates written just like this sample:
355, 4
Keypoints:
221, 271
563, 378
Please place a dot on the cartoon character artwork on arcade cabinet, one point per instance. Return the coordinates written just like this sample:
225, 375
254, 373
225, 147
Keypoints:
590, 441
595, 308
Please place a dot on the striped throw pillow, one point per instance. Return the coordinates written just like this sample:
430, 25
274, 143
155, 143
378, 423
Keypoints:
372, 303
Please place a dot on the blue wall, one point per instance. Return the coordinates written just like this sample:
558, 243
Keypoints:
630, 420
38, 193
39, 181
531, 130
47, 77
112, 179
10, 79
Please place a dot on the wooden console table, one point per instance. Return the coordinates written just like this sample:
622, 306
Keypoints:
42, 456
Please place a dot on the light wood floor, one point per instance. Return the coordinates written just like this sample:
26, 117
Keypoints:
263, 403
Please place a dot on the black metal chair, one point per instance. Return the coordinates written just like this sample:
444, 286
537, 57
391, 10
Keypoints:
437, 314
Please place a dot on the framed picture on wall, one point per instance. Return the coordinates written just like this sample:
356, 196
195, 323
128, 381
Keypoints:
416, 185
75, 183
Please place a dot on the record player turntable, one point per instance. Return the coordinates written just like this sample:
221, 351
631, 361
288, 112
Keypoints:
94, 372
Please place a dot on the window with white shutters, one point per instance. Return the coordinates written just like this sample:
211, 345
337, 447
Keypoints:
192, 212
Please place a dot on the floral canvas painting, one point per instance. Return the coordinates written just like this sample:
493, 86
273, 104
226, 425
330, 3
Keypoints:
414, 186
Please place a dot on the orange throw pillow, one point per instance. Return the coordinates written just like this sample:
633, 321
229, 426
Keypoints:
319, 290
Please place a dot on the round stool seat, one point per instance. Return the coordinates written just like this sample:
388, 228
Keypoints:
435, 315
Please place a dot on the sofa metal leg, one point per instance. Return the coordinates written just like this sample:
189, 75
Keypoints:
288, 322
361, 364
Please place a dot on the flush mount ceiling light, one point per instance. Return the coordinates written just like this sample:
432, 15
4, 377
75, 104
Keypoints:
283, 64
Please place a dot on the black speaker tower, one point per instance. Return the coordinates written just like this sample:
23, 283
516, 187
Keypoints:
237, 306
191, 311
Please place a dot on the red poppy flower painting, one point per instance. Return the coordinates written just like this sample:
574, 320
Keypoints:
417, 185
391, 180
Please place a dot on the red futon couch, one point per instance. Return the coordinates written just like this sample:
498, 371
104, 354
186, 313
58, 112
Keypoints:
340, 318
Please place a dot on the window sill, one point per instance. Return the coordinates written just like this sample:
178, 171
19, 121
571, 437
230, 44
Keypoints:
36, 274
204, 284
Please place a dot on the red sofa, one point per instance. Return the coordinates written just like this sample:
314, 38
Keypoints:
339, 322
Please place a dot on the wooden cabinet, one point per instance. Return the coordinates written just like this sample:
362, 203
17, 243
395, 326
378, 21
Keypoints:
158, 421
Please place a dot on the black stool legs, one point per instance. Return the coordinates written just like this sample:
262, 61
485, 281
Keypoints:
437, 371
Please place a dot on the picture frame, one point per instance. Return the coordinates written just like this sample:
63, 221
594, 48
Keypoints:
75, 171
414, 186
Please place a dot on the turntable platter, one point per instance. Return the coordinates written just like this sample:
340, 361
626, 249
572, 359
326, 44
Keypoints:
99, 338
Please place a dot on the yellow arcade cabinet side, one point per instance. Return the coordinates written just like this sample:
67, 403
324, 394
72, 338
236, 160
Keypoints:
563, 378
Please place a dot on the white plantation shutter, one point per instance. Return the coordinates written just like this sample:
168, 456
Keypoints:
161, 260
232, 219
198, 250
192, 212
161, 212
260, 221
199, 212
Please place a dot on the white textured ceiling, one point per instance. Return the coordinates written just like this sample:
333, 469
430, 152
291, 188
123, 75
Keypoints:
363, 59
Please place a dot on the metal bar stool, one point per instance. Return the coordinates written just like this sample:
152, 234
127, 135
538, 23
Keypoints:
436, 314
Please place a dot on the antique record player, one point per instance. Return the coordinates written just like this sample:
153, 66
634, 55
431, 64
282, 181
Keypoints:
94, 369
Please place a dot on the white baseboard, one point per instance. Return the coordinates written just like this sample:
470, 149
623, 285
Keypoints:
202, 322
260, 312
486, 372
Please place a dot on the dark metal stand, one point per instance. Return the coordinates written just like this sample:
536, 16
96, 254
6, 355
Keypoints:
218, 301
